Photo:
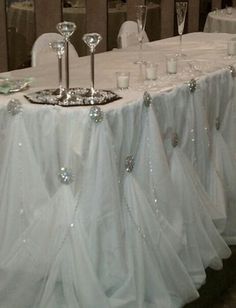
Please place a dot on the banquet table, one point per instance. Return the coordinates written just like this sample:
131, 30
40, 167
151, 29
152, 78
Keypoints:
124, 204
220, 21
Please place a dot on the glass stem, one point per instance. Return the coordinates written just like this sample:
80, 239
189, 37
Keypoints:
92, 72
140, 56
60, 75
180, 45
67, 67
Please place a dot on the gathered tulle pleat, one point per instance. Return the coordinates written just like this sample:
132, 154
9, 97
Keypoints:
153, 174
205, 247
225, 166
159, 258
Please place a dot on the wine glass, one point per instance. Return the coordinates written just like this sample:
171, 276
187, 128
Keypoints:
58, 46
66, 28
181, 10
141, 17
92, 40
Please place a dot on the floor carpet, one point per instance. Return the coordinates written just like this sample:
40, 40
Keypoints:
219, 291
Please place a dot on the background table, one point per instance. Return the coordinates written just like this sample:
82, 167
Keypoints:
220, 21
144, 192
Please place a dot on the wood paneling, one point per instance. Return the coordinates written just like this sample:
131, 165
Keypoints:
3, 37
47, 14
216, 4
131, 13
193, 15
96, 20
167, 18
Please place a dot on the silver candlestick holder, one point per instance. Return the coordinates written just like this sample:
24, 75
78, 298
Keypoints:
92, 40
66, 29
58, 46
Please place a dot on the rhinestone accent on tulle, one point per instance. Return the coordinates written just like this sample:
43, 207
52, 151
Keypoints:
232, 70
14, 107
147, 99
137, 226
192, 84
96, 114
175, 140
65, 176
217, 123
129, 163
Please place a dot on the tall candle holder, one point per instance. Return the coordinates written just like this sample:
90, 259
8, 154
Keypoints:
66, 29
92, 40
58, 46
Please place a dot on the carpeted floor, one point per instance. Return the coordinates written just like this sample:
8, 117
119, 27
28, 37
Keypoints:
228, 300
220, 288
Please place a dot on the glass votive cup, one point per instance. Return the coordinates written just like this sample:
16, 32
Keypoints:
151, 71
231, 47
171, 64
229, 10
122, 80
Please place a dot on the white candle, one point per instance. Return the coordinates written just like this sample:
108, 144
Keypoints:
171, 66
151, 72
122, 80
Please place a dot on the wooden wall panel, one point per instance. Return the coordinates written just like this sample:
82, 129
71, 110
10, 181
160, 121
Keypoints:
47, 14
193, 15
216, 4
96, 20
167, 18
131, 13
3, 37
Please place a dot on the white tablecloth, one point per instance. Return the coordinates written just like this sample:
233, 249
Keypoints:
108, 237
220, 21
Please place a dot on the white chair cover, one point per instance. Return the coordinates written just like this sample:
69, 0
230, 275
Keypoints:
41, 51
127, 35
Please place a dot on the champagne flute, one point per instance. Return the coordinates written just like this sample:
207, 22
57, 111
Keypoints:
59, 47
141, 17
92, 40
181, 10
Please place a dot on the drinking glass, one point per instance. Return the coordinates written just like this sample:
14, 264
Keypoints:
66, 28
92, 40
141, 17
181, 10
58, 46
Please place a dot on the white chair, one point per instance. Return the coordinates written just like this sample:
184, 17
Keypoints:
42, 52
127, 35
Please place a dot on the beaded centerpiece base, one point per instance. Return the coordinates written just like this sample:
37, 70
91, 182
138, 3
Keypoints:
75, 97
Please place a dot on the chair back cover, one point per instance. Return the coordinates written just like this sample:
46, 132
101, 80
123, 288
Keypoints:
127, 35
42, 52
